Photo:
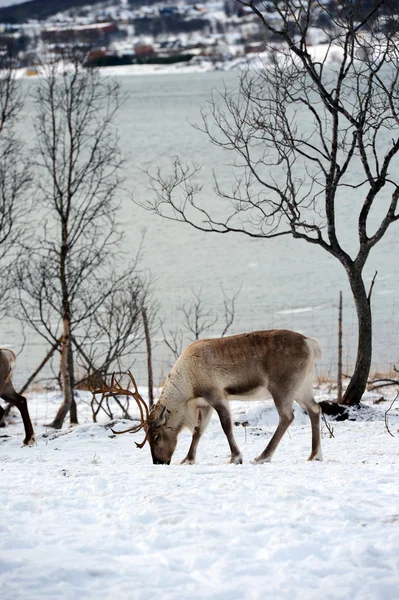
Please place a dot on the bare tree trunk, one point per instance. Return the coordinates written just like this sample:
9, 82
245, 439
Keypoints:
358, 382
66, 356
339, 374
66, 379
149, 357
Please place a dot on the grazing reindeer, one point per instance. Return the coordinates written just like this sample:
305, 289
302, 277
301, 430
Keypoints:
210, 372
7, 392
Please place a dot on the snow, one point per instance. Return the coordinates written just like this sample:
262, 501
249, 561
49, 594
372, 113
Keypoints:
129, 70
86, 515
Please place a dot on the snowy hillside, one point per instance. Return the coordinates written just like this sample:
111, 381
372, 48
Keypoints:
86, 515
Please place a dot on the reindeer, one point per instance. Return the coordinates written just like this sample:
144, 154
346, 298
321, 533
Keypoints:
211, 372
7, 392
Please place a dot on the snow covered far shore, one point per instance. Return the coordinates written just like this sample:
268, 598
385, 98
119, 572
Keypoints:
257, 61
128, 70
86, 515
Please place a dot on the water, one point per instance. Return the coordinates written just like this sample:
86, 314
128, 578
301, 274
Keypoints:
283, 282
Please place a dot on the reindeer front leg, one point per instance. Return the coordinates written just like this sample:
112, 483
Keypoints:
204, 415
223, 410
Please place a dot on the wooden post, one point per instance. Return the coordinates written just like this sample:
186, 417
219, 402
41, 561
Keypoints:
339, 382
149, 357
73, 411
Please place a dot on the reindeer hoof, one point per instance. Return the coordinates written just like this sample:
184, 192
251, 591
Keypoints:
188, 461
236, 460
318, 457
31, 442
260, 461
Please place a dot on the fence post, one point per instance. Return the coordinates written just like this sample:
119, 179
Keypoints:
149, 357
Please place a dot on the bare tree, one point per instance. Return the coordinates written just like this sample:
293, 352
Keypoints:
68, 274
14, 181
304, 132
198, 320
14, 174
114, 332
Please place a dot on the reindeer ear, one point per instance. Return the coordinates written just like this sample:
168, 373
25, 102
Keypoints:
162, 418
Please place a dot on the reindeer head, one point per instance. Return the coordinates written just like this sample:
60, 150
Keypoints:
161, 436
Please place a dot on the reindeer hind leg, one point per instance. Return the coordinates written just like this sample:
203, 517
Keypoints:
314, 412
10, 395
283, 404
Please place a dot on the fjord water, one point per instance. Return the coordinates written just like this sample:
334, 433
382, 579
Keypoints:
284, 282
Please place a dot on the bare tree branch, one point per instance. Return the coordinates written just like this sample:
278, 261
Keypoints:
303, 130
386, 415
199, 320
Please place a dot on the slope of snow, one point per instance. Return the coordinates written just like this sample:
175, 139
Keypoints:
86, 515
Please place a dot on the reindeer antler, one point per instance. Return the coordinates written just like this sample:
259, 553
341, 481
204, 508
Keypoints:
115, 389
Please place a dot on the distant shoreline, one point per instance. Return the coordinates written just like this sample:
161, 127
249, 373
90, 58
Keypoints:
251, 61
128, 70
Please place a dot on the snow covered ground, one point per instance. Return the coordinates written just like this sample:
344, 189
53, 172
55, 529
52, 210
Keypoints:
86, 515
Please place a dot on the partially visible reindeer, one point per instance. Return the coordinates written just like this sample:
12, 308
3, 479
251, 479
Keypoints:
8, 393
210, 372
